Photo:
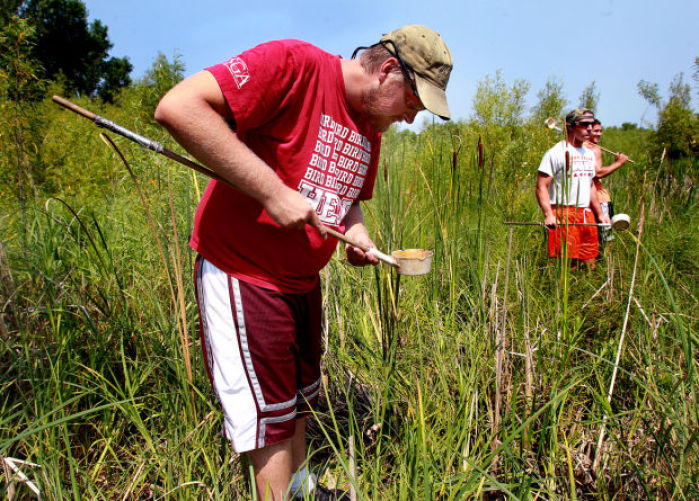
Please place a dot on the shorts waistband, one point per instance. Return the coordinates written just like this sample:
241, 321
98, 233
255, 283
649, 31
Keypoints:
569, 207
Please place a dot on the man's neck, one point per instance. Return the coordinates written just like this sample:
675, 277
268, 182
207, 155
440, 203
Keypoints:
355, 80
575, 142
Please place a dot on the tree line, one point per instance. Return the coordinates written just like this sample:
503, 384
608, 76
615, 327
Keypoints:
60, 44
49, 47
502, 107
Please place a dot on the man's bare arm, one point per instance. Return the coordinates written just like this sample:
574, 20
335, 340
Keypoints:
542, 195
595, 206
601, 171
196, 114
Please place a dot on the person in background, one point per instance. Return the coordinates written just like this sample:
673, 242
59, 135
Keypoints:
568, 197
297, 131
605, 200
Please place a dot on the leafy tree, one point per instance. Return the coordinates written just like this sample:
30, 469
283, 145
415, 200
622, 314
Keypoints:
20, 124
650, 92
160, 78
8, 8
678, 126
67, 45
115, 76
589, 97
498, 120
551, 101
496, 104
18, 74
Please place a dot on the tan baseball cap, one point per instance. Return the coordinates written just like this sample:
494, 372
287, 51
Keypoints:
424, 51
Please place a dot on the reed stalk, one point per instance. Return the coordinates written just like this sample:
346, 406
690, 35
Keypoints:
501, 341
177, 304
492, 321
180, 306
599, 450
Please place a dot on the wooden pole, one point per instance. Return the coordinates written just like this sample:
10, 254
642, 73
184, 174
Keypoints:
159, 148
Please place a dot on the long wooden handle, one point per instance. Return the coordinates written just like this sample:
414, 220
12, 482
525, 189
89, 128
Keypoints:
159, 148
74, 107
523, 223
345, 238
373, 251
615, 153
143, 141
557, 224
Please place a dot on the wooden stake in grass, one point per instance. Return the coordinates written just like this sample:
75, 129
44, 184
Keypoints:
12, 471
528, 366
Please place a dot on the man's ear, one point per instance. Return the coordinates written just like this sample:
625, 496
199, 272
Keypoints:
387, 67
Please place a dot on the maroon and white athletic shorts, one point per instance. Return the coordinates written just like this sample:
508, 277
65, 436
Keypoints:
262, 351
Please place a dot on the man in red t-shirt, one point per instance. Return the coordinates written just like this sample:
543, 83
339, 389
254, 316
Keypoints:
297, 131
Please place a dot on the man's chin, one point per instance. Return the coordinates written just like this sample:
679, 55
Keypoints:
383, 128
380, 125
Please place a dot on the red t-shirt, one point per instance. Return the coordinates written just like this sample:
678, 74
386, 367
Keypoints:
290, 107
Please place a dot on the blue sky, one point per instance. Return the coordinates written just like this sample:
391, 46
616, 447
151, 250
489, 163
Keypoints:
616, 43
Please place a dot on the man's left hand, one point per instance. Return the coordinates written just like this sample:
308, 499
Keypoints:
355, 255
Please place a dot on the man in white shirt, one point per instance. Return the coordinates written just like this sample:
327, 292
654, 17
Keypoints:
568, 197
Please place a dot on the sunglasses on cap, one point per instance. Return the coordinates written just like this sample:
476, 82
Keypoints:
408, 71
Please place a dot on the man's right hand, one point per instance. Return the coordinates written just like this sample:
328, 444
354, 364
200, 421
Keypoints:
289, 209
550, 221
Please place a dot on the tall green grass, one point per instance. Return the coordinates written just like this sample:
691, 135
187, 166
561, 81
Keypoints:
486, 378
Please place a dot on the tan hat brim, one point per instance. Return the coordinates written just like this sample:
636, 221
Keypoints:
433, 98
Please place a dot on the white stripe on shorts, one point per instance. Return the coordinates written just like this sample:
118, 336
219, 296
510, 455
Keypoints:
309, 392
226, 365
